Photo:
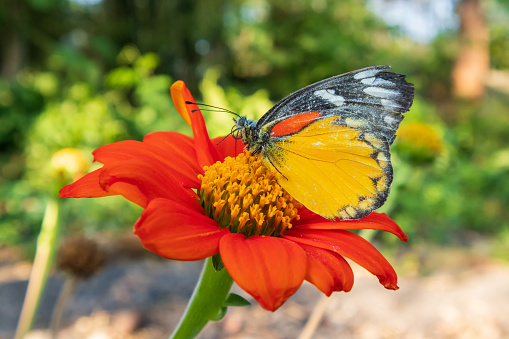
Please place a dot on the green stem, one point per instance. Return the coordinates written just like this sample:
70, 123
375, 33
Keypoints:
47, 243
206, 302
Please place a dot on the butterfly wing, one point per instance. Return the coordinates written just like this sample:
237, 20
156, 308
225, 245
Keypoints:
335, 166
368, 93
330, 141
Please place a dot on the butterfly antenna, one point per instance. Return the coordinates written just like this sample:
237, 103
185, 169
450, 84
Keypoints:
234, 130
225, 138
216, 108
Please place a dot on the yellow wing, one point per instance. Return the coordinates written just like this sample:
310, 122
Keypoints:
337, 167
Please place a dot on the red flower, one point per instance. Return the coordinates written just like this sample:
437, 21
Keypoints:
234, 207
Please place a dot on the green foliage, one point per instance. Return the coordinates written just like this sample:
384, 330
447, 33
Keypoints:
52, 110
88, 75
461, 189
283, 48
499, 32
219, 123
500, 248
236, 300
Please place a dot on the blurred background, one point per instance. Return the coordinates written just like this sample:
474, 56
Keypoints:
82, 73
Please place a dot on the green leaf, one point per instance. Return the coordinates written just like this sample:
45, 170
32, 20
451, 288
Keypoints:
220, 314
121, 77
235, 300
217, 262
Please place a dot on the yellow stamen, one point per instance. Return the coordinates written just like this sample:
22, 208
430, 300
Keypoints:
243, 195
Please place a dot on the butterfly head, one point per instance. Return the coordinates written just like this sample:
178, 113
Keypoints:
246, 130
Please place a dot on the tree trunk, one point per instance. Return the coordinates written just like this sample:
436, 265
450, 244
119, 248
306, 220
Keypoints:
473, 63
12, 45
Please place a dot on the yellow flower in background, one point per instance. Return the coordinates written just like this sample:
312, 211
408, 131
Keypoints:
69, 163
419, 141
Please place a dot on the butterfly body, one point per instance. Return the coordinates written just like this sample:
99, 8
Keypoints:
330, 140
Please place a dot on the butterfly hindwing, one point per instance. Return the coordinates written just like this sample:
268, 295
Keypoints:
335, 166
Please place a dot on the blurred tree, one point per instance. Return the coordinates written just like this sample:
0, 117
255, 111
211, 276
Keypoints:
30, 32
187, 35
498, 19
12, 45
473, 62
284, 47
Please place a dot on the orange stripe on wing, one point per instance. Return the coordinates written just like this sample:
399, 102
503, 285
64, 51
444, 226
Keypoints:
294, 123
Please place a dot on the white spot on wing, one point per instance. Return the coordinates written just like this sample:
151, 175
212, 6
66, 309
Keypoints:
328, 95
377, 82
390, 103
380, 92
389, 119
366, 74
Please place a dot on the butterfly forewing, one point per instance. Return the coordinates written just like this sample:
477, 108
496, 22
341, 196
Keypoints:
369, 93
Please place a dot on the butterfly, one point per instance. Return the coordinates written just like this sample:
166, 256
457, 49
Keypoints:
330, 141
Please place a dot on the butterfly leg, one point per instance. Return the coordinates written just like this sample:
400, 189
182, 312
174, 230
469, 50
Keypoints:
266, 154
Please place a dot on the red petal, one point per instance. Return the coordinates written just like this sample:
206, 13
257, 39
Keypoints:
308, 217
178, 143
129, 191
270, 269
141, 181
351, 246
205, 150
168, 139
327, 270
229, 147
89, 186
178, 232
375, 221
86, 187
181, 170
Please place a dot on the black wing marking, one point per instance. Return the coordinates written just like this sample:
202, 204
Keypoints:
368, 93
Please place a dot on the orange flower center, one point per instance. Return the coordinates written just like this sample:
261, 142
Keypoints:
243, 195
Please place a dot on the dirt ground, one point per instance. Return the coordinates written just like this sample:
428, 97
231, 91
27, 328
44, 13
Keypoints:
450, 293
